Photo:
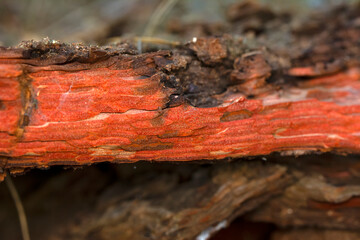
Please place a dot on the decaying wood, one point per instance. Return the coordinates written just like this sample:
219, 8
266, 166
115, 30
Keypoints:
183, 201
182, 211
287, 195
313, 234
213, 98
326, 196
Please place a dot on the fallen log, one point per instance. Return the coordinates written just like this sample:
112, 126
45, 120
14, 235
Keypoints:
189, 201
213, 98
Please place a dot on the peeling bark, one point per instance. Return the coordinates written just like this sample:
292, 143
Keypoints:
182, 211
167, 201
213, 98
321, 196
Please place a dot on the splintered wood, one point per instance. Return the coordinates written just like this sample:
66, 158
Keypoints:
213, 98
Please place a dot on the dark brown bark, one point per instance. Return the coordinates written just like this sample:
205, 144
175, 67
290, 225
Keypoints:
167, 201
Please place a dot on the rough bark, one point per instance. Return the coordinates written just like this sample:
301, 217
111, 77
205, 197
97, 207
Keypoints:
167, 201
213, 98
327, 196
315, 234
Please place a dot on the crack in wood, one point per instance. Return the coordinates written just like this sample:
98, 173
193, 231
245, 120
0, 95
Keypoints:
28, 103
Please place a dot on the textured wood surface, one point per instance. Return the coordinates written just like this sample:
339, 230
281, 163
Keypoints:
52, 115
211, 99
215, 98
144, 200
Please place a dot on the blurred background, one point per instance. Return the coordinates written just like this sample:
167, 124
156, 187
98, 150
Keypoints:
106, 21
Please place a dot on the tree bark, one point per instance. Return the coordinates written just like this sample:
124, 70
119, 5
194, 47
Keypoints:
185, 201
212, 98
215, 98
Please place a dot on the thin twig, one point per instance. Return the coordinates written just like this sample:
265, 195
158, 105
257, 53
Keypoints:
19, 207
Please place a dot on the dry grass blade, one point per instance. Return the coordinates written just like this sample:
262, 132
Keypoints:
160, 12
19, 207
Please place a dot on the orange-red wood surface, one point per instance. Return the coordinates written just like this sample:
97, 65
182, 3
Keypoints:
81, 113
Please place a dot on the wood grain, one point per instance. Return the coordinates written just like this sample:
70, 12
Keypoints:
212, 98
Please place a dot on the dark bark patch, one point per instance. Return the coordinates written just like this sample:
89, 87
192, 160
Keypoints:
200, 70
47, 52
146, 143
237, 115
159, 120
28, 103
210, 50
135, 147
2, 105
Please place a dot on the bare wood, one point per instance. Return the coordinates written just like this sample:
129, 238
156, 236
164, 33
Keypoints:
117, 110
210, 99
